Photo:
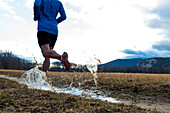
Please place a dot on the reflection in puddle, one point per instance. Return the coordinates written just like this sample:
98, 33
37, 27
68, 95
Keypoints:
88, 94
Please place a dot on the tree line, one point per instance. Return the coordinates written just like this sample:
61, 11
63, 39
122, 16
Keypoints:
111, 68
10, 61
134, 69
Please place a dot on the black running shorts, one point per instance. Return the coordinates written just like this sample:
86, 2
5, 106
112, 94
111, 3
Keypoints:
46, 38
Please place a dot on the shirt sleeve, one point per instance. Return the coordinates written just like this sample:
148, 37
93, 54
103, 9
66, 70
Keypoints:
36, 10
62, 14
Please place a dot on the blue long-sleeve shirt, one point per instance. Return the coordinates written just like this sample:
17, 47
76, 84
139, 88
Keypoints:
46, 11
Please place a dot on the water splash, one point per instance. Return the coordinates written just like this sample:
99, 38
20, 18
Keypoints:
34, 78
92, 66
88, 94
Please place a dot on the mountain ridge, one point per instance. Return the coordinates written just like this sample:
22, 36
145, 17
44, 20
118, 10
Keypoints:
141, 62
123, 62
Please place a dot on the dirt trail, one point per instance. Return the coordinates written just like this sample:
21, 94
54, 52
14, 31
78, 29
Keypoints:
11, 78
163, 107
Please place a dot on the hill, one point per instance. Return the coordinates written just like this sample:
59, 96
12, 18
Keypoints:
155, 62
123, 62
150, 65
8, 60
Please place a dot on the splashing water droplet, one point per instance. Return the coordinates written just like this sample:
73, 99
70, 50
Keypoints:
92, 67
34, 78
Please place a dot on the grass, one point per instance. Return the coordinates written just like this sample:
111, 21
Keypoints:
18, 98
131, 86
138, 84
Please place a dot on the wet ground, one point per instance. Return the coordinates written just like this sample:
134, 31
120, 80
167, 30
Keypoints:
15, 97
147, 103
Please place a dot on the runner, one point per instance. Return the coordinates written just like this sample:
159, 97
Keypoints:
45, 12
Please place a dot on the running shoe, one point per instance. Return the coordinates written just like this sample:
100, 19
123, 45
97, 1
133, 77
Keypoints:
65, 62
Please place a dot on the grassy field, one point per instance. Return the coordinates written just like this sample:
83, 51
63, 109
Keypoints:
129, 86
134, 86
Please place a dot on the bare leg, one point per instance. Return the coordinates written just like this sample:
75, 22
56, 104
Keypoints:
48, 53
46, 64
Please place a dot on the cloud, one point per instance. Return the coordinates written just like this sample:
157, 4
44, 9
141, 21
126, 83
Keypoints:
18, 18
75, 26
10, 10
110, 26
157, 18
163, 45
102, 26
10, 0
7, 7
6, 15
161, 22
70, 6
145, 54
29, 4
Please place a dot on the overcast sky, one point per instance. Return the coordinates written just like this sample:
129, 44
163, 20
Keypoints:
108, 29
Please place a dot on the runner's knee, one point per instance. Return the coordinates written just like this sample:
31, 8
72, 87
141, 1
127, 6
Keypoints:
45, 54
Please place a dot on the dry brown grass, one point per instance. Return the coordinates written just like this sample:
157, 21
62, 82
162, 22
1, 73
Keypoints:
14, 73
135, 86
137, 78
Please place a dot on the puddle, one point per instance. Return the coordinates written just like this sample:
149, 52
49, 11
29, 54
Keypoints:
88, 94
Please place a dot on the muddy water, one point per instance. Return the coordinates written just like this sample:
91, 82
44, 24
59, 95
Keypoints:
88, 94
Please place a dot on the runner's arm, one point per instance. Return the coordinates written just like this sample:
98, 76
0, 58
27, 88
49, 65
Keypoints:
62, 14
36, 10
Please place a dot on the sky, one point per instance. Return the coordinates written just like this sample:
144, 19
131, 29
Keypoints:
106, 29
